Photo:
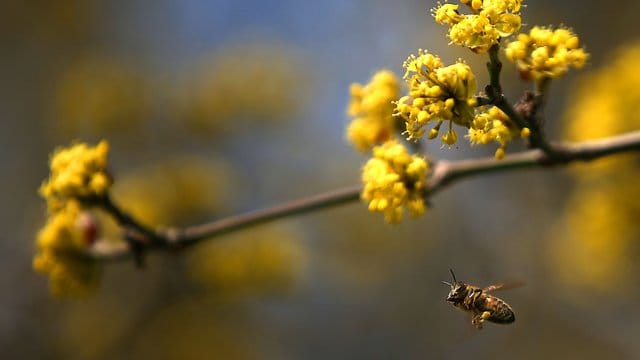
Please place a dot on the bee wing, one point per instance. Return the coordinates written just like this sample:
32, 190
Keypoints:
504, 286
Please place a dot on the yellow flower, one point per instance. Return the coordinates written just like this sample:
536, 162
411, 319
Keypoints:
493, 125
59, 256
489, 21
77, 172
393, 179
447, 14
371, 110
546, 53
436, 93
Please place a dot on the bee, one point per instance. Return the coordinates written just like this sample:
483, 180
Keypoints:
479, 303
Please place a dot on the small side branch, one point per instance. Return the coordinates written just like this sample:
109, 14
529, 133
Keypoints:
497, 98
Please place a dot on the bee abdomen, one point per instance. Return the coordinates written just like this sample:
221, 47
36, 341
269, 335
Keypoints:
502, 316
501, 312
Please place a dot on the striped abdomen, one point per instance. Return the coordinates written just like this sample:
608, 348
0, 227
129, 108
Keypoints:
501, 312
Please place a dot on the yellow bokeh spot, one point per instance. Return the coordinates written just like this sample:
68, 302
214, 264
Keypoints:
258, 261
604, 104
264, 81
596, 237
179, 191
96, 95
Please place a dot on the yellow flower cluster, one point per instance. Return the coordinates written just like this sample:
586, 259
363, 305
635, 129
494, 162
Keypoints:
495, 126
546, 53
489, 21
436, 93
393, 179
78, 172
371, 109
58, 243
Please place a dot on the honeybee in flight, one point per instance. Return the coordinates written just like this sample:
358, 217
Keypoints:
479, 303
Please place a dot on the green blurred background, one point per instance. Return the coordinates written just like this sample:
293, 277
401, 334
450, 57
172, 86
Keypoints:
257, 91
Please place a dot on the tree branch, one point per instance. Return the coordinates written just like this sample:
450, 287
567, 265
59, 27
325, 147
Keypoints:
296, 207
444, 174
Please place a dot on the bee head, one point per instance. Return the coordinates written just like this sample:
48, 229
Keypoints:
458, 289
457, 293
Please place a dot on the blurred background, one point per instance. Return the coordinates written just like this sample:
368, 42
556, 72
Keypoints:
217, 107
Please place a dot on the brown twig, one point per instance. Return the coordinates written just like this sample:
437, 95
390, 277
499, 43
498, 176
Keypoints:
444, 174
497, 98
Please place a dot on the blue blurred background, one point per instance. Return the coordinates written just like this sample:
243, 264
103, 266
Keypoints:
359, 288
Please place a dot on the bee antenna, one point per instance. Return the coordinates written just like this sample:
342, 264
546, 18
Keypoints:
453, 276
446, 283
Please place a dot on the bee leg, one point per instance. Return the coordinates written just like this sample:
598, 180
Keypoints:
477, 320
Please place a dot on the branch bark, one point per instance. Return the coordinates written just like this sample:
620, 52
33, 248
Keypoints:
497, 98
444, 173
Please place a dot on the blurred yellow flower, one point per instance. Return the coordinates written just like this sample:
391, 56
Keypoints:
596, 237
265, 81
192, 328
96, 95
179, 191
58, 254
603, 104
591, 246
77, 172
266, 259
371, 110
